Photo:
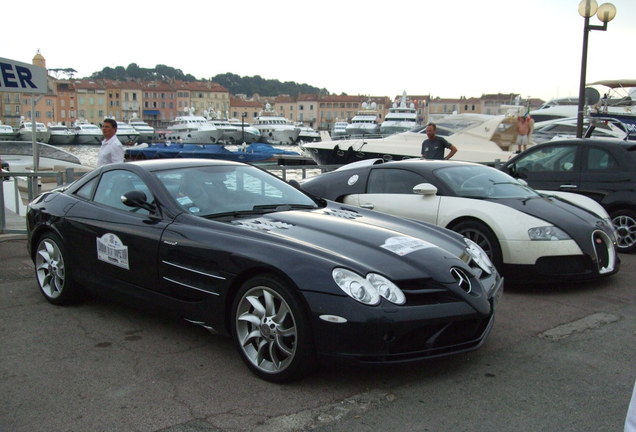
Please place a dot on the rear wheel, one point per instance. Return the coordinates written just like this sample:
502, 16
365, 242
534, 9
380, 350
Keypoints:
484, 237
52, 271
271, 330
625, 223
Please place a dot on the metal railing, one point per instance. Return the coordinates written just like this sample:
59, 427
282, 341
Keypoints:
24, 188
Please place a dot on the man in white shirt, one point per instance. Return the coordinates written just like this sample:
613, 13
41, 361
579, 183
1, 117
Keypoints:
112, 150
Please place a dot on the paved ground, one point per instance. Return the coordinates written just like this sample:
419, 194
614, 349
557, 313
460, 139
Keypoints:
561, 358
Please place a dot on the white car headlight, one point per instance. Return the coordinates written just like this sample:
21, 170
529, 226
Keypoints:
367, 290
479, 256
548, 233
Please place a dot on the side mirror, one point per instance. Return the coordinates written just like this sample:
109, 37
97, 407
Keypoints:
294, 183
424, 189
137, 198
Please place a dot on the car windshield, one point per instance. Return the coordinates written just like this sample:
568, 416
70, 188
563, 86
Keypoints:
472, 181
236, 189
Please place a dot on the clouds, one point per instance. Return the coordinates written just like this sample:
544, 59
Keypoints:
448, 49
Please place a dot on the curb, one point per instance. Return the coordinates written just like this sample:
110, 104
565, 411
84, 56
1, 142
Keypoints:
7, 237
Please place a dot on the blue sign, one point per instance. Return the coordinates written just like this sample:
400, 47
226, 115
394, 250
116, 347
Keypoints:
20, 77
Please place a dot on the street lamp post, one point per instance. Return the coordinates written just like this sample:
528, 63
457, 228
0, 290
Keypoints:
606, 12
243, 115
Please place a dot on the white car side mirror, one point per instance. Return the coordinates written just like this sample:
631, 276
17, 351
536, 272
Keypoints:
424, 189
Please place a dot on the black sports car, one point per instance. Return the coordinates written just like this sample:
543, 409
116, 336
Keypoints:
289, 277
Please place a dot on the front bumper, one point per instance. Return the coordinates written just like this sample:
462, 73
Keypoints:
396, 334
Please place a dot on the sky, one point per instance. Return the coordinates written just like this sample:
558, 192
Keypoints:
447, 48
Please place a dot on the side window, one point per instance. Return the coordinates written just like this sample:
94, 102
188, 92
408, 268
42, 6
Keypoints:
555, 159
86, 191
392, 181
113, 184
600, 160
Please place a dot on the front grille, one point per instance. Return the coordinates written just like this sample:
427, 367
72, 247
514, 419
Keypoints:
563, 265
426, 292
605, 252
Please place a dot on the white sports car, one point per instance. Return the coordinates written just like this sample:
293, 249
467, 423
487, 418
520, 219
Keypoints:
529, 235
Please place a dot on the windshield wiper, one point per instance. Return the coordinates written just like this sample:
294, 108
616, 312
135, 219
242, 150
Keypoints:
261, 209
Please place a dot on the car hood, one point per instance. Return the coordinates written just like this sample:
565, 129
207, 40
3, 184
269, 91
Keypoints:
576, 221
364, 241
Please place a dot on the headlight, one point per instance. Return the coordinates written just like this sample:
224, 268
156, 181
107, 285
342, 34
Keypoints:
479, 256
367, 290
547, 233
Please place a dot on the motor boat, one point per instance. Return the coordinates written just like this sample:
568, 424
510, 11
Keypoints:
192, 129
478, 138
7, 133
562, 128
87, 133
274, 128
307, 134
400, 118
146, 132
365, 122
618, 101
248, 133
60, 134
25, 132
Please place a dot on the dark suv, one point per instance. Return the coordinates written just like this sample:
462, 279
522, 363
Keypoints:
604, 170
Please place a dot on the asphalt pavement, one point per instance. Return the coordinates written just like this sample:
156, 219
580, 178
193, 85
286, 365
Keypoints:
560, 358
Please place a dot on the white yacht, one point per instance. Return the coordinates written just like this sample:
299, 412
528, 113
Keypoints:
400, 118
339, 130
192, 129
274, 128
231, 134
60, 134
7, 133
146, 132
365, 122
477, 140
87, 133
25, 133
126, 133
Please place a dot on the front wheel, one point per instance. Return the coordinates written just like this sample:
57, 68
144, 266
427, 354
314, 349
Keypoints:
52, 271
271, 330
481, 234
625, 223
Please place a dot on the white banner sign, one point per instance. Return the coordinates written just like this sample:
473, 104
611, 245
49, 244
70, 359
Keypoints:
18, 77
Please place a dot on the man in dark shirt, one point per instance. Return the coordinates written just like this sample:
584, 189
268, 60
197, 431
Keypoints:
433, 147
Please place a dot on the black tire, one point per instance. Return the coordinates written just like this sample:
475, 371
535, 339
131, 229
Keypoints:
52, 271
481, 234
271, 330
624, 221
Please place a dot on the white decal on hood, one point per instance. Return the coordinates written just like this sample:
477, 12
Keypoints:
110, 249
262, 224
405, 245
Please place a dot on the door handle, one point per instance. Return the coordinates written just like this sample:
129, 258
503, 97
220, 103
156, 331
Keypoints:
367, 206
568, 186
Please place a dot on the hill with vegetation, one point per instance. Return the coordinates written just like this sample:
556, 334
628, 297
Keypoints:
234, 83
